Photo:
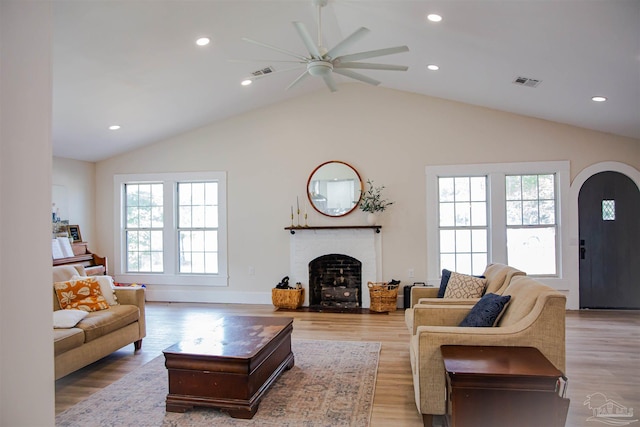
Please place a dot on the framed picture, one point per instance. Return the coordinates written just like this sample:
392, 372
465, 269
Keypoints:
74, 231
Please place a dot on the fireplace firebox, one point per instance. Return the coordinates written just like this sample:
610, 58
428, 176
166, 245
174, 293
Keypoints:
335, 280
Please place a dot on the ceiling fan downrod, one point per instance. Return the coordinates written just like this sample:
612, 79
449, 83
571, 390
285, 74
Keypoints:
320, 4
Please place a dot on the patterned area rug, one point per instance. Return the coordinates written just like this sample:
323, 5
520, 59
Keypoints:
331, 384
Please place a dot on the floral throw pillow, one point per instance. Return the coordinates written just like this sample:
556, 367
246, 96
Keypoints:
465, 286
106, 287
83, 294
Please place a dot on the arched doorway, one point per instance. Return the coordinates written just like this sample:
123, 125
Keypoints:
609, 240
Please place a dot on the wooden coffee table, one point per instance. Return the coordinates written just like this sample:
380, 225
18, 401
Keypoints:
231, 367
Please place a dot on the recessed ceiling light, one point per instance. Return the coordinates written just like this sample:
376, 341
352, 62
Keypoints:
598, 98
246, 82
114, 127
434, 17
433, 67
203, 41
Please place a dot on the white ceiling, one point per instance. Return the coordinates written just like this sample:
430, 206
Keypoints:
135, 63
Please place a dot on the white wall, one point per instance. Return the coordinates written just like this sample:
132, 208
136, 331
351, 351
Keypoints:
78, 179
388, 136
26, 337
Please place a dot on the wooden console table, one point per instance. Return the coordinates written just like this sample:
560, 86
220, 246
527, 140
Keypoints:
502, 387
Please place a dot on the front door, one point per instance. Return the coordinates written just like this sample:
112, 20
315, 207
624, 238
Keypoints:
609, 221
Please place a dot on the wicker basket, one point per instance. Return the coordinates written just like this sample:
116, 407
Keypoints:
384, 297
287, 298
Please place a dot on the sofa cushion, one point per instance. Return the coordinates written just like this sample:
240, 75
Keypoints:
464, 286
486, 312
83, 294
106, 287
68, 318
100, 323
67, 339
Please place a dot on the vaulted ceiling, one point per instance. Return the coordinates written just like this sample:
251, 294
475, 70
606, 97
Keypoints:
136, 64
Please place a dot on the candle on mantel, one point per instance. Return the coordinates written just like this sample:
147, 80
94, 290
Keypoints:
297, 204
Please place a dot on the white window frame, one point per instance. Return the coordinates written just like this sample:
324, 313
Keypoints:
496, 210
171, 274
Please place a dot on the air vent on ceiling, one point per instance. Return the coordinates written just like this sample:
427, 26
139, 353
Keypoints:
262, 72
526, 81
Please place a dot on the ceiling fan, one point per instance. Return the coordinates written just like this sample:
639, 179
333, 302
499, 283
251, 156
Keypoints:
323, 63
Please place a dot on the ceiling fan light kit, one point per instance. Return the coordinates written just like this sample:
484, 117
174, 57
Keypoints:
319, 68
323, 63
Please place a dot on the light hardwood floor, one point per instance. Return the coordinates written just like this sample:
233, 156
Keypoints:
603, 355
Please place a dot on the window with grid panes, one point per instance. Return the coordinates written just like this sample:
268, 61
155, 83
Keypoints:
463, 223
172, 229
144, 212
198, 227
527, 213
531, 223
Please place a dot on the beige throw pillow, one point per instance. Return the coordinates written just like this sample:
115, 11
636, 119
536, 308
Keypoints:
465, 286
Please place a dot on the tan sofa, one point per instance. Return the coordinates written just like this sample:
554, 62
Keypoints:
100, 333
534, 317
498, 277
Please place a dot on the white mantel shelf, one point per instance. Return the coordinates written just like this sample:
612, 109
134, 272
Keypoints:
293, 230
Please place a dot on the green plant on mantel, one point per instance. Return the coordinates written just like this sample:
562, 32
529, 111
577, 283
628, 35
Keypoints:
372, 201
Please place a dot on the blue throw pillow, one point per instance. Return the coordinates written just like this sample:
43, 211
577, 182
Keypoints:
446, 275
487, 311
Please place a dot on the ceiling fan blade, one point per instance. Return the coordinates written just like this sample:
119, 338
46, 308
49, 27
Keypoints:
346, 43
277, 49
328, 80
307, 40
252, 77
267, 60
369, 66
300, 78
356, 76
371, 54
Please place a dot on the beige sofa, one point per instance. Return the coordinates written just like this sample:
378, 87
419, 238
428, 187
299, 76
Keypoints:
498, 277
100, 333
534, 317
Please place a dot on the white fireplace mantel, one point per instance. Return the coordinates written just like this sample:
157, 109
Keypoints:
362, 243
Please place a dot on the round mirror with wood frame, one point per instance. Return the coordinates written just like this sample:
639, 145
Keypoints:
334, 188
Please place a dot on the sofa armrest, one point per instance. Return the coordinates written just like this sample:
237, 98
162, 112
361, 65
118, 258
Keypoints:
418, 292
438, 315
130, 295
133, 296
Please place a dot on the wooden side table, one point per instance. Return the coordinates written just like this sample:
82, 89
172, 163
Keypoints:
503, 387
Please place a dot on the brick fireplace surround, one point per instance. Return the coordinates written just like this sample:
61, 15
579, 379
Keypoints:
363, 244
